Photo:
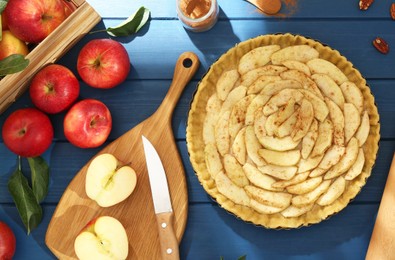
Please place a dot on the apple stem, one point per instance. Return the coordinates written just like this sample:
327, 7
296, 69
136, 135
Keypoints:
19, 163
22, 132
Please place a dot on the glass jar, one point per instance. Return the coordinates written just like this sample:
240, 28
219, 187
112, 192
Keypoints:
197, 15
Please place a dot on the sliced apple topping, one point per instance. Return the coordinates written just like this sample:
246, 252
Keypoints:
107, 182
284, 131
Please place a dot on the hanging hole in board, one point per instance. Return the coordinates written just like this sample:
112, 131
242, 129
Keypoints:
187, 63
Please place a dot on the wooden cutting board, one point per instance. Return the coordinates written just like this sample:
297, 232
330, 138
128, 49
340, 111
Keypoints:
136, 213
382, 242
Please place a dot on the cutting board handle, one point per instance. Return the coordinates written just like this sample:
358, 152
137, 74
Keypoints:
186, 66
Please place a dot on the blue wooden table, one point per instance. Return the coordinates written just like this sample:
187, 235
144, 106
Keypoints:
211, 232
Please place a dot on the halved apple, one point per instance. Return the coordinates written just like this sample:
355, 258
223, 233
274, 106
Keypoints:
107, 183
102, 238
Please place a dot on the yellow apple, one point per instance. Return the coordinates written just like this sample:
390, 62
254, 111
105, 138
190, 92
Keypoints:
10, 44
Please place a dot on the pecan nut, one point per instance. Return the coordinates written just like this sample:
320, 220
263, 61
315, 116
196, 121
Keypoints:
364, 4
392, 11
381, 45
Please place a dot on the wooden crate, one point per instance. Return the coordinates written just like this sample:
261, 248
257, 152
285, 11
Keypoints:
79, 23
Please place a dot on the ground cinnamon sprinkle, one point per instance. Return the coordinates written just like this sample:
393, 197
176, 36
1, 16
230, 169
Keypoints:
291, 6
195, 8
197, 15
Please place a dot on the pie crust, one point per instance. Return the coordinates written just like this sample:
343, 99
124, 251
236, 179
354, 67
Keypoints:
241, 195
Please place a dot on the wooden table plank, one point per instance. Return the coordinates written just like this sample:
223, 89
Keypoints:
345, 234
236, 9
352, 38
61, 153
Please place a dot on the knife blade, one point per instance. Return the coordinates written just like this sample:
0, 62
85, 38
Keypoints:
162, 202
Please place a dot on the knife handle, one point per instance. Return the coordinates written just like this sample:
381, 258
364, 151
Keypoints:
167, 236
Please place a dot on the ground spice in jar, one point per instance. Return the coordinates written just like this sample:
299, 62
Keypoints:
197, 15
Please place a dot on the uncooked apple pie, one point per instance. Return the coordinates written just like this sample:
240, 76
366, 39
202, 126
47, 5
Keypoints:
283, 131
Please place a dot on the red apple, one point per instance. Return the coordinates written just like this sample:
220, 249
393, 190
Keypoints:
9, 44
28, 132
88, 123
7, 242
33, 20
103, 63
54, 89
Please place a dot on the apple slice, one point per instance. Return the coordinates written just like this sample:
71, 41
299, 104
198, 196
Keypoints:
226, 82
261, 82
302, 53
102, 238
298, 66
330, 89
251, 76
326, 67
108, 184
286, 158
302, 78
256, 58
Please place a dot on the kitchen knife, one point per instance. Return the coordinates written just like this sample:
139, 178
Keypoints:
162, 203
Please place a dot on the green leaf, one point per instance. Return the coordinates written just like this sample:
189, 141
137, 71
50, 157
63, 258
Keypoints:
13, 64
26, 203
40, 177
3, 4
244, 257
131, 25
